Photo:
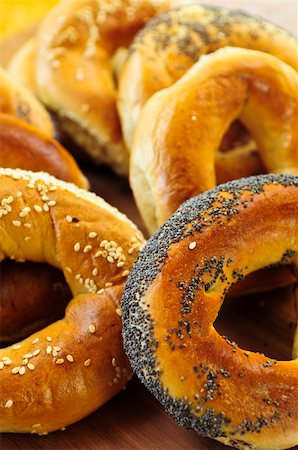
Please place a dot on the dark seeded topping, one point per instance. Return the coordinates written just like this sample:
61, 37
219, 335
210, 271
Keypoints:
138, 326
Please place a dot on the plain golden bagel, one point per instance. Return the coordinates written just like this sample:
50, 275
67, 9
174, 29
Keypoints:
174, 293
23, 146
75, 47
181, 127
70, 368
18, 101
170, 44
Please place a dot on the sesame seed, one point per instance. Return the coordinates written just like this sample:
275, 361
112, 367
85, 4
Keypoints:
37, 208
8, 404
92, 234
69, 358
15, 370
68, 219
49, 349
130, 251
92, 328
120, 264
108, 284
77, 247
27, 238
97, 254
25, 211
25, 361
125, 273
114, 363
110, 259
193, 118
52, 203
1, 365
115, 380
60, 361
57, 349
22, 370
16, 223
101, 291
7, 362
31, 366
62, 429
103, 243
95, 272
119, 312
36, 425
27, 225
28, 355
49, 339
80, 74
68, 269
192, 245
87, 249
46, 208
87, 362
19, 194
35, 341
36, 352
16, 346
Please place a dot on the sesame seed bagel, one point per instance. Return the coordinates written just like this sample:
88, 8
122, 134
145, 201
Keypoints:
68, 369
172, 298
74, 78
173, 155
170, 44
17, 100
23, 146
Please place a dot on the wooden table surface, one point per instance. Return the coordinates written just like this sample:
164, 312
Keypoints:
264, 322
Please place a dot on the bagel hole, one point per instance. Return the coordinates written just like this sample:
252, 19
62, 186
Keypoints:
236, 136
263, 321
32, 295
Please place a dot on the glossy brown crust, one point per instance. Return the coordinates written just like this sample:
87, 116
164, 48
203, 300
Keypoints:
23, 293
169, 45
23, 146
18, 101
173, 156
74, 76
65, 371
173, 296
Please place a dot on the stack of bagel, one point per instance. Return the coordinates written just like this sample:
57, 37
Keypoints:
179, 98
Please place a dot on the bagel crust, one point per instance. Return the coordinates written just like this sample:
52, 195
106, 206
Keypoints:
170, 44
174, 292
70, 368
18, 101
181, 127
23, 146
74, 76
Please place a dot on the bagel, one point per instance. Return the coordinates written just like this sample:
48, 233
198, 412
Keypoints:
67, 370
172, 298
22, 65
23, 146
173, 155
75, 46
170, 44
17, 100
